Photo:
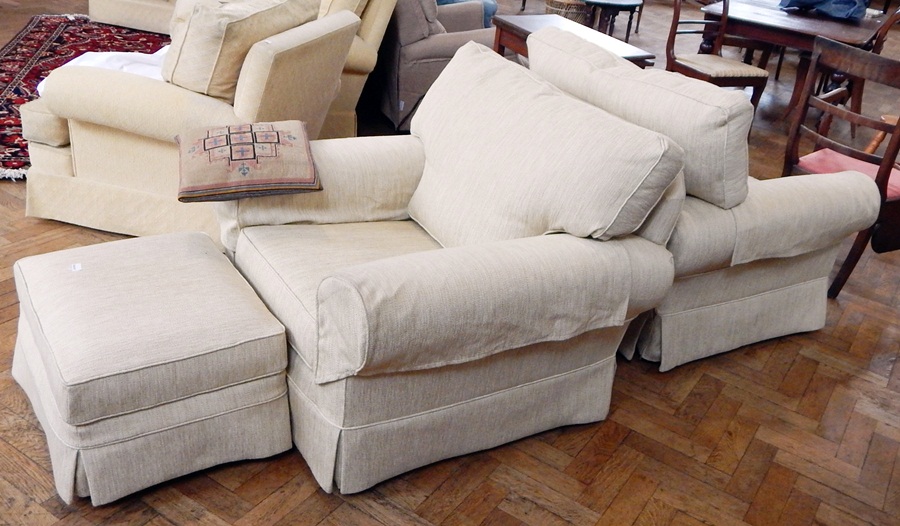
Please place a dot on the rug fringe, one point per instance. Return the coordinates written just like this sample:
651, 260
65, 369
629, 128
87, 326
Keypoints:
12, 173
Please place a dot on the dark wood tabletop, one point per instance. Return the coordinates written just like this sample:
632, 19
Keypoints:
513, 30
764, 20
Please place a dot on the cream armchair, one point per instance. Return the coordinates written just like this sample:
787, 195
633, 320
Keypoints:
421, 39
154, 15
147, 15
458, 288
102, 142
752, 257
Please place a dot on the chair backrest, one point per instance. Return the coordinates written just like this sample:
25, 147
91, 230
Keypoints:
708, 28
829, 56
882, 34
296, 74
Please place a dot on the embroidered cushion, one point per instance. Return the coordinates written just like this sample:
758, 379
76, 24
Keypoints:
210, 39
246, 160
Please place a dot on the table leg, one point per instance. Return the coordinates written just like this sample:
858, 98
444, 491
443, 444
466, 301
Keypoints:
799, 82
628, 27
603, 25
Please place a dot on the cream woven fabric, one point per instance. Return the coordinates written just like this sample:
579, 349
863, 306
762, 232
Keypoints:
557, 165
709, 122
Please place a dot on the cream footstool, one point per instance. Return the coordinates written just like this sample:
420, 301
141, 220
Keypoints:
147, 359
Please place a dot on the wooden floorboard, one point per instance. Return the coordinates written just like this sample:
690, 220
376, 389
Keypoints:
803, 429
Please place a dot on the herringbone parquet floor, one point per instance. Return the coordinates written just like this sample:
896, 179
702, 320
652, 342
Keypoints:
799, 430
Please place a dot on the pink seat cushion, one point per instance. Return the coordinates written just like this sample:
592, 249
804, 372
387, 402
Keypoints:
829, 161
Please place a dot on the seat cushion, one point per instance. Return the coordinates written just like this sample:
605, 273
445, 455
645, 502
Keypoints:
210, 39
721, 67
286, 264
509, 155
132, 324
709, 122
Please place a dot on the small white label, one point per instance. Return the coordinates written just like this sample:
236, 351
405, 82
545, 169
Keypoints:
402, 104
75, 267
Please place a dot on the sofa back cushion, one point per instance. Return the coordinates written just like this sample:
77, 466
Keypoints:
509, 155
709, 122
210, 39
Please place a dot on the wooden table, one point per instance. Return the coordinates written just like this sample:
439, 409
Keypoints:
513, 30
763, 20
608, 11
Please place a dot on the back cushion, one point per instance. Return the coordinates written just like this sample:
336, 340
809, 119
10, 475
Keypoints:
508, 155
211, 38
709, 122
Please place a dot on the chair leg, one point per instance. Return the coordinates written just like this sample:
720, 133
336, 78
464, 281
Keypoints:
637, 26
523, 5
859, 245
756, 94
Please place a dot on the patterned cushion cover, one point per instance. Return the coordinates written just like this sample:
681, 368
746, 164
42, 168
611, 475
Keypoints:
246, 160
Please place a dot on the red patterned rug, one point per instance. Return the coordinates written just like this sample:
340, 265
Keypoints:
47, 42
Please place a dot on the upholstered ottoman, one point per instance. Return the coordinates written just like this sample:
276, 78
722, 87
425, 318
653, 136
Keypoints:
147, 359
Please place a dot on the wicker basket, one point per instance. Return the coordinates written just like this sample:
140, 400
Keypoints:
572, 9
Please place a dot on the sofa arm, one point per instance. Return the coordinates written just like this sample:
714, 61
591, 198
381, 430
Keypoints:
362, 57
461, 16
444, 45
796, 215
363, 179
780, 218
455, 305
132, 103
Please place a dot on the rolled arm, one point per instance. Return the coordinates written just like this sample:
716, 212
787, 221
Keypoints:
461, 16
459, 304
363, 179
780, 218
132, 103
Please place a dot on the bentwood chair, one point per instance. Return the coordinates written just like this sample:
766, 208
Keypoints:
833, 150
712, 67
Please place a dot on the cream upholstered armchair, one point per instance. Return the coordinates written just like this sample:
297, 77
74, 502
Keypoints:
147, 15
752, 257
361, 61
154, 15
102, 142
456, 288
421, 39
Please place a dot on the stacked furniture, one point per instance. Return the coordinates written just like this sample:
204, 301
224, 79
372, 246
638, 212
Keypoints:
103, 142
752, 258
155, 15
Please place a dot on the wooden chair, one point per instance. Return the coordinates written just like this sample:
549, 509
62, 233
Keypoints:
836, 152
712, 67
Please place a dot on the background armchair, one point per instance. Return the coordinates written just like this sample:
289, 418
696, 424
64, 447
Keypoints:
102, 142
421, 39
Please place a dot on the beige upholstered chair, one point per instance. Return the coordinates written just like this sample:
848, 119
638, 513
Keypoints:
341, 120
752, 257
102, 142
421, 39
458, 288
147, 15
154, 15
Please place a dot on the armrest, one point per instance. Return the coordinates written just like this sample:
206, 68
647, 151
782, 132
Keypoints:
363, 179
445, 45
132, 103
455, 305
780, 218
362, 57
461, 16
796, 215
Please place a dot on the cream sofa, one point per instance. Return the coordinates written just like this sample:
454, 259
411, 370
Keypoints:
752, 258
457, 288
154, 15
103, 142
